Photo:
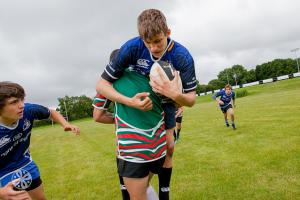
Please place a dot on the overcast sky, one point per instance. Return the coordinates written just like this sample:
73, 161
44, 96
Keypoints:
60, 47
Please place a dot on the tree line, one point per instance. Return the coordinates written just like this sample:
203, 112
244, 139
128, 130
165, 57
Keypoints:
78, 107
72, 108
237, 74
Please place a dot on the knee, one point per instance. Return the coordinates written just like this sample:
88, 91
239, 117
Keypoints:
230, 111
170, 149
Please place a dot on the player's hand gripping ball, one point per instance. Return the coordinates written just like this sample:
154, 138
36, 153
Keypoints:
169, 73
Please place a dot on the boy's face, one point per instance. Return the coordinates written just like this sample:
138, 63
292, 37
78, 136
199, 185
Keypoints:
228, 91
13, 109
157, 44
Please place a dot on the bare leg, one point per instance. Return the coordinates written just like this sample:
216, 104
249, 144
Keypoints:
170, 149
231, 113
37, 193
225, 118
178, 125
137, 187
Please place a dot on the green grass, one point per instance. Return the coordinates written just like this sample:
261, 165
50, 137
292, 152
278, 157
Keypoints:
260, 160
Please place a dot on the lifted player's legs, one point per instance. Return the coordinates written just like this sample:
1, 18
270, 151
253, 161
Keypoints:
137, 187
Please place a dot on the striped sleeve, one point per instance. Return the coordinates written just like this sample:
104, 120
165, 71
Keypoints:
101, 102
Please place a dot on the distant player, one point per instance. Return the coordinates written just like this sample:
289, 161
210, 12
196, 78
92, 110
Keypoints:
178, 117
19, 175
226, 103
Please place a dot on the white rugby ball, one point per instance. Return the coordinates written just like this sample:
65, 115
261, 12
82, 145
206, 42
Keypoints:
169, 72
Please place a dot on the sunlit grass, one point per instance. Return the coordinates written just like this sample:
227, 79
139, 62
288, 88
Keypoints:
260, 160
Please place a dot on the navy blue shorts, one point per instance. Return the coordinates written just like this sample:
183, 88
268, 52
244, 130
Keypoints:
224, 109
170, 111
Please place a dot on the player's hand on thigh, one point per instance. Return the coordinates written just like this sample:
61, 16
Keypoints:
8, 193
142, 101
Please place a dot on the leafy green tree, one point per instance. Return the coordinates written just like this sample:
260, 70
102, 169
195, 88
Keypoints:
75, 107
216, 84
275, 68
250, 76
237, 74
225, 76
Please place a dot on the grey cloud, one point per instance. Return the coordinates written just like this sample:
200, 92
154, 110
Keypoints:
60, 47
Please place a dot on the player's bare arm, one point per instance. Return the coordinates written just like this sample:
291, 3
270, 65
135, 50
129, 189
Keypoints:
140, 100
103, 116
61, 120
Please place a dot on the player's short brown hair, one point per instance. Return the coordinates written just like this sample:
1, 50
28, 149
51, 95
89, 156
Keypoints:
151, 22
8, 90
228, 86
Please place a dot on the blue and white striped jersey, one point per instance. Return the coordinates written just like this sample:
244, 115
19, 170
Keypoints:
134, 54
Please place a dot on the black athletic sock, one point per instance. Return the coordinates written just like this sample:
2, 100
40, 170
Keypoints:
178, 131
174, 134
125, 194
164, 177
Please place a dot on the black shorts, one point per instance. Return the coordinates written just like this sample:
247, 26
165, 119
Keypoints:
224, 110
139, 170
35, 184
179, 119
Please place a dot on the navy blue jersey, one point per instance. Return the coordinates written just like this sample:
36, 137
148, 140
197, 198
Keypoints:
224, 97
14, 141
134, 54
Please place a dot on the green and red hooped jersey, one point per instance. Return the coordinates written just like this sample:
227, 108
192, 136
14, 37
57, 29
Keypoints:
141, 135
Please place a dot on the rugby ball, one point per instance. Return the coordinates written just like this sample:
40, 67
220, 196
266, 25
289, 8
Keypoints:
169, 72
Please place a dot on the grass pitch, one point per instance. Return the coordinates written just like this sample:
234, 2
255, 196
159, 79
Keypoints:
259, 160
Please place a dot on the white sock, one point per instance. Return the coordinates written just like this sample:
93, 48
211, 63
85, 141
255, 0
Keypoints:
151, 194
